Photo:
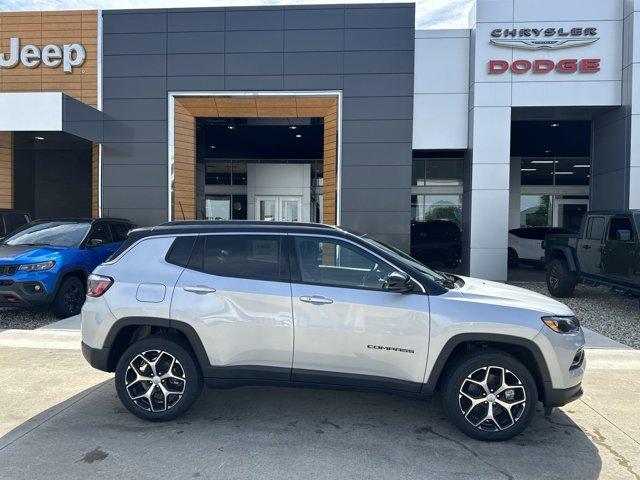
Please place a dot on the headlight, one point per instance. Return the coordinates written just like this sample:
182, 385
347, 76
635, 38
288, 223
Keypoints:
562, 324
37, 267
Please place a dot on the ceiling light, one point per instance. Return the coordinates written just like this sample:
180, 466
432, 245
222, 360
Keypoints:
230, 127
554, 125
542, 161
547, 151
529, 169
298, 136
292, 127
564, 173
212, 146
40, 138
582, 166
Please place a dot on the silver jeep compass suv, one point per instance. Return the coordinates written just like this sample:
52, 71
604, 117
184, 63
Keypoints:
240, 303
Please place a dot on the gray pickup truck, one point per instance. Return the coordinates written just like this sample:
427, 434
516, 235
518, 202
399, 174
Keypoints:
606, 251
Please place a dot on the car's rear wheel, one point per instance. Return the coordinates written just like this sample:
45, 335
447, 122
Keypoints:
69, 299
561, 281
489, 395
157, 378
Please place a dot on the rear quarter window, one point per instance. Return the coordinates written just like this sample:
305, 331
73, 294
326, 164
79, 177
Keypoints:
180, 251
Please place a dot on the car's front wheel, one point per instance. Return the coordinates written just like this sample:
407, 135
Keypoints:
157, 378
490, 395
69, 298
561, 281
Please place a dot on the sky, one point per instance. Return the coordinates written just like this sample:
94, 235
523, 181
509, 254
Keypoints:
429, 13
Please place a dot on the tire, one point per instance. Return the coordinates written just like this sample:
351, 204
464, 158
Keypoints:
561, 281
451, 260
184, 383
513, 259
468, 417
69, 299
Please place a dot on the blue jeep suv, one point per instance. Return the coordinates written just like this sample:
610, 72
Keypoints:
46, 263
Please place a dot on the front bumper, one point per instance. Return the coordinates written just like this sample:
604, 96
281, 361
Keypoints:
24, 294
557, 397
98, 358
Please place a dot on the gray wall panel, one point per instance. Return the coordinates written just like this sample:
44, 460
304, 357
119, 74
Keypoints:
195, 42
135, 131
127, 153
262, 41
134, 43
195, 64
364, 50
253, 64
136, 109
135, 65
313, 18
255, 19
313, 40
135, 22
134, 87
379, 39
196, 21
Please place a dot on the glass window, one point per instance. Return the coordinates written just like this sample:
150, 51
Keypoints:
436, 207
180, 251
120, 231
59, 234
257, 257
536, 211
218, 173
437, 171
620, 229
102, 232
595, 228
333, 262
555, 171
218, 207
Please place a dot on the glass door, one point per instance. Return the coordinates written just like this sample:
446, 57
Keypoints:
279, 209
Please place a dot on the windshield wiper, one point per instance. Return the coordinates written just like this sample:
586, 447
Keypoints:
32, 245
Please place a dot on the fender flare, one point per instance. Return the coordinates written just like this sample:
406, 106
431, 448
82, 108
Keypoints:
567, 253
445, 354
184, 328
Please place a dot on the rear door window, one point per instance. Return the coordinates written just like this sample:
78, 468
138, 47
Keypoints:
620, 228
255, 257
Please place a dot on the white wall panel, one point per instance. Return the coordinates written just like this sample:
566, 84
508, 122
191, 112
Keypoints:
560, 94
567, 10
442, 65
24, 112
440, 121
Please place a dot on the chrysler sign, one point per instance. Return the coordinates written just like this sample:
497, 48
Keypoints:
51, 56
544, 38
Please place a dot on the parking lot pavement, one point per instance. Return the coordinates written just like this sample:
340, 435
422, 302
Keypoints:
61, 419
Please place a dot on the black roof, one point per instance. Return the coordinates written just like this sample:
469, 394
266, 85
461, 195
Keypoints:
614, 212
81, 220
203, 226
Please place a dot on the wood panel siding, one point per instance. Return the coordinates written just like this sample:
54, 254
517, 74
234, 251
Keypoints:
186, 109
6, 170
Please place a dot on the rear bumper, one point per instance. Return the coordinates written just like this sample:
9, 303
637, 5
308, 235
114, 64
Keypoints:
98, 358
24, 294
557, 397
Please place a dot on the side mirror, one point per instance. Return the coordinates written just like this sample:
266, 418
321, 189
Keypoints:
94, 242
624, 235
398, 282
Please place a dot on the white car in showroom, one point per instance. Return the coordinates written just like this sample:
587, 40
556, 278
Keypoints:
525, 244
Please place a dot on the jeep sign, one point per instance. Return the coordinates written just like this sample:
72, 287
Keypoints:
70, 55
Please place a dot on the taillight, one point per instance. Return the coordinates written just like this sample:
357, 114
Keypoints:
97, 285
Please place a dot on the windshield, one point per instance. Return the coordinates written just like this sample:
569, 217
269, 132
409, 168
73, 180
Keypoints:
408, 260
59, 234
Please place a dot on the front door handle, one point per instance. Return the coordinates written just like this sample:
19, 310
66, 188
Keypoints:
316, 299
199, 289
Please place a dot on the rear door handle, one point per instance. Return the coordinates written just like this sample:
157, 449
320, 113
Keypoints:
199, 289
316, 299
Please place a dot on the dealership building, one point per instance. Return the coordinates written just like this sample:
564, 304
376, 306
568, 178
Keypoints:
341, 114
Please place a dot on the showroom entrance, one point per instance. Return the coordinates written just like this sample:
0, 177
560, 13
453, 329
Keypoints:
256, 156
269, 169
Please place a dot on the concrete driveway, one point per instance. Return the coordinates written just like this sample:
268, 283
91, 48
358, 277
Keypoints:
61, 419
